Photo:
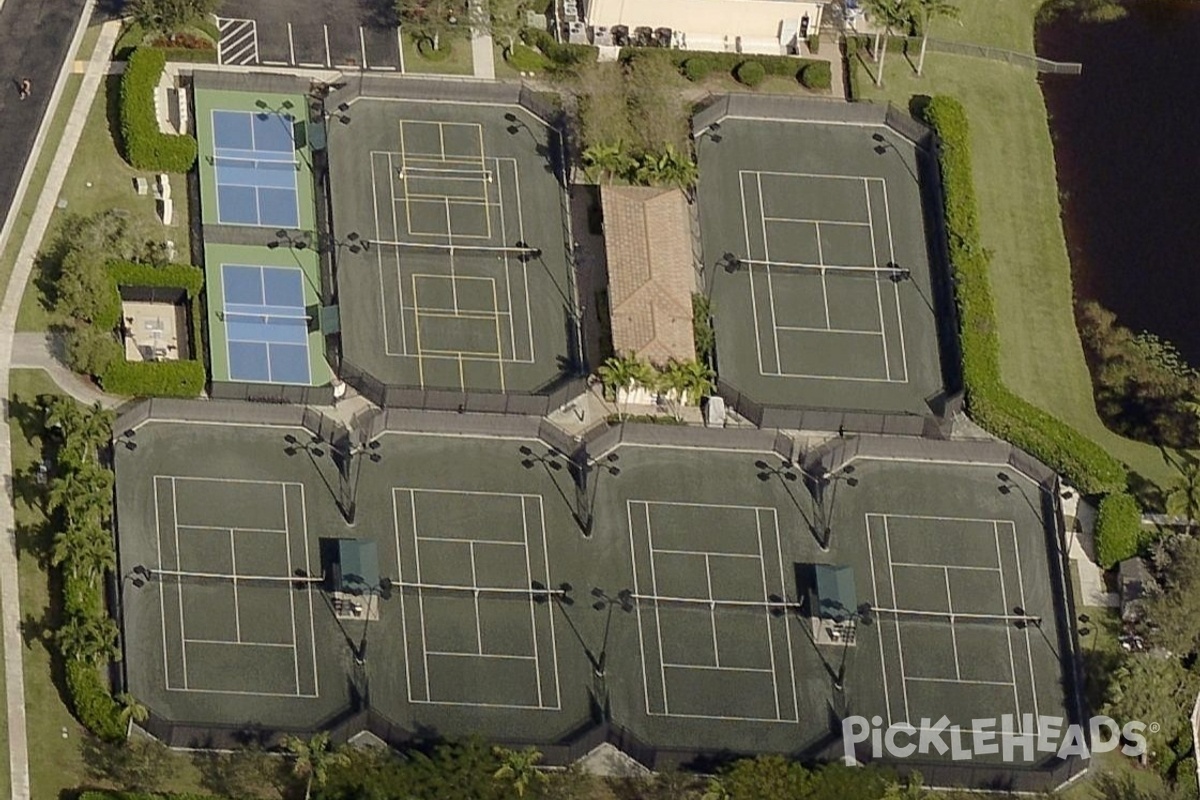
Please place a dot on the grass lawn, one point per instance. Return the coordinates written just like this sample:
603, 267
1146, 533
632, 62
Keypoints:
1041, 356
458, 62
98, 163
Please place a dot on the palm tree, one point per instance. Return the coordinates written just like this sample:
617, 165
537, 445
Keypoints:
624, 373
928, 10
893, 14
132, 711
313, 758
673, 382
668, 168
85, 548
518, 768
83, 493
89, 639
606, 161
715, 790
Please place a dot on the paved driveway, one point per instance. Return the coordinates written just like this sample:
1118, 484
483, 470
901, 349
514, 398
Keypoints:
334, 33
34, 37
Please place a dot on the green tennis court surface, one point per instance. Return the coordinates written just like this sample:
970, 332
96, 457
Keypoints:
682, 614
818, 265
466, 284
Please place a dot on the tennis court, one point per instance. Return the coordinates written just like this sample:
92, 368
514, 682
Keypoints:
255, 169
817, 265
263, 315
683, 610
466, 284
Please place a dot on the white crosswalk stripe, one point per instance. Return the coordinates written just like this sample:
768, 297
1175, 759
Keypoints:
239, 41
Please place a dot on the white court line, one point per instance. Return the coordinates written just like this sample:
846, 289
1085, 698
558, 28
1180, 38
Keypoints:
712, 609
899, 642
162, 609
550, 613
703, 553
1012, 662
224, 528
291, 44
803, 220
800, 329
922, 517
762, 207
762, 568
239, 644
466, 541
178, 582
887, 211
312, 624
953, 633
943, 566
449, 313
718, 668
237, 614
958, 681
887, 368
512, 331
524, 267
657, 617
498, 656
824, 283
787, 629
287, 539
362, 46
475, 596
1028, 645
887, 699
379, 256
238, 692
412, 498
533, 631
750, 274
403, 610
633, 562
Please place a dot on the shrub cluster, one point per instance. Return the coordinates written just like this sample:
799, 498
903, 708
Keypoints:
146, 147
1118, 529
992, 404
854, 46
80, 496
524, 58
564, 56
813, 73
750, 73
183, 378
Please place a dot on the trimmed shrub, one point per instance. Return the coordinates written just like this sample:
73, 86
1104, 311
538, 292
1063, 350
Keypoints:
781, 66
90, 349
697, 68
146, 147
750, 73
169, 276
154, 378
992, 405
524, 58
1118, 529
93, 704
817, 75
853, 67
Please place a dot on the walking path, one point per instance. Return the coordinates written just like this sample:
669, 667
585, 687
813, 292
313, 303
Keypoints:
10, 600
483, 53
41, 351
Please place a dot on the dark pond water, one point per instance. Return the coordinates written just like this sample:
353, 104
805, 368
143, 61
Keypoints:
1127, 143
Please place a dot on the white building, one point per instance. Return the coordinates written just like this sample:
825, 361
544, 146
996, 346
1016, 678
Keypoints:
774, 27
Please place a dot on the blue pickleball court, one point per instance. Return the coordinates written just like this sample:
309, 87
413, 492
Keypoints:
266, 324
254, 159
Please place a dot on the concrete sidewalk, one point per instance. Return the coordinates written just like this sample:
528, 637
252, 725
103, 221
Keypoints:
43, 351
10, 604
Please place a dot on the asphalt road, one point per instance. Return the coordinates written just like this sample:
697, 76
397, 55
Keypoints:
359, 34
34, 38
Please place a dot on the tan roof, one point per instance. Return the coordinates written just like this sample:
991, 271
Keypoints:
648, 238
757, 20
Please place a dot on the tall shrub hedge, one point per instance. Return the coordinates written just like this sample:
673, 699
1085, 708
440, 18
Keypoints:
731, 63
146, 147
992, 404
1118, 529
154, 378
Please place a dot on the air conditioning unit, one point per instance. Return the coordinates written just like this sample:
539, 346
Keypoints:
577, 33
602, 36
570, 10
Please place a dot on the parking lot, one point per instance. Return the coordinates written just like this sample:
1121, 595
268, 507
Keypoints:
336, 34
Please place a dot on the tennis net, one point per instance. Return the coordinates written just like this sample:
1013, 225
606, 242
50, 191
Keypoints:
300, 580
890, 272
519, 251
1018, 619
450, 172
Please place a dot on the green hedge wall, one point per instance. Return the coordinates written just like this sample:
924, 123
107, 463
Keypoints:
1118, 529
154, 378
781, 66
93, 704
146, 147
563, 54
992, 404
169, 276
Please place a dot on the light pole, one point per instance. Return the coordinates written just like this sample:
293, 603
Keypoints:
345, 460
825, 496
581, 468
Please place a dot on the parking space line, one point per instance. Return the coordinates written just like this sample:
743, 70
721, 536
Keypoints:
328, 58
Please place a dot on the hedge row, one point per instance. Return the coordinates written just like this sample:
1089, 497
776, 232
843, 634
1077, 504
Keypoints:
562, 54
1118, 529
92, 701
992, 404
154, 378
167, 276
813, 73
146, 147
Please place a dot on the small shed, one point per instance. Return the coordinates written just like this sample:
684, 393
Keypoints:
833, 604
352, 577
